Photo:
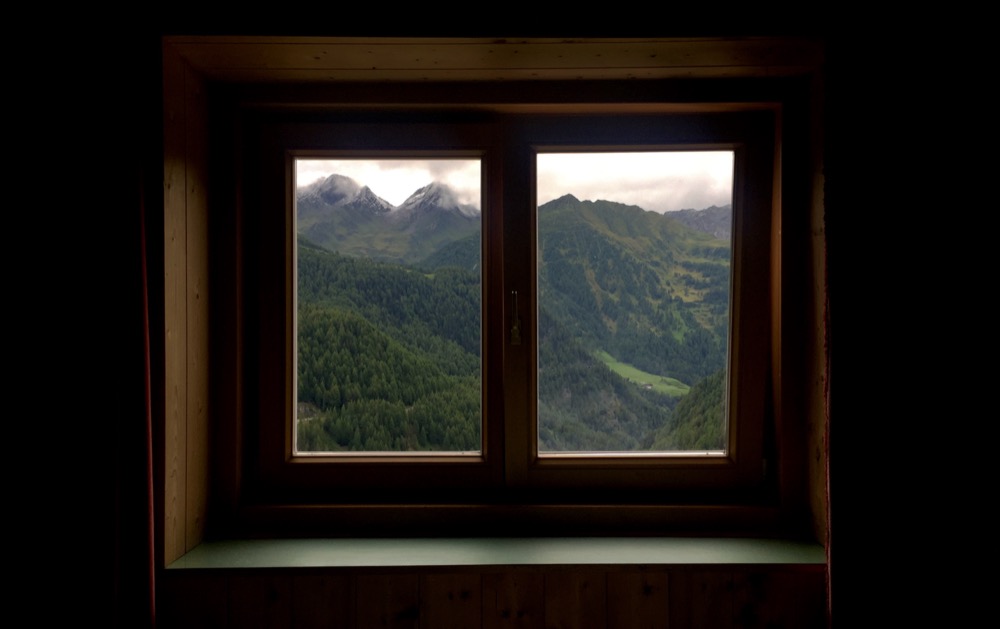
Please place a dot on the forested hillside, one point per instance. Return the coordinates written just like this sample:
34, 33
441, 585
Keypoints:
388, 356
633, 310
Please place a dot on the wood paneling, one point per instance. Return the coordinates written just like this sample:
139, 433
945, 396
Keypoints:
260, 600
321, 601
388, 601
186, 308
462, 59
638, 600
451, 600
779, 600
680, 597
513, 599
575, 600
701, 599
175, 306
198, 377
193, 601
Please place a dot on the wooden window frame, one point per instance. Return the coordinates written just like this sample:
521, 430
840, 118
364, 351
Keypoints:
510, 469
358, 477
750, 134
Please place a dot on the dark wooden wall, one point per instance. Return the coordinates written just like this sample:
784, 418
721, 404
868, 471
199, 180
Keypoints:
773, 597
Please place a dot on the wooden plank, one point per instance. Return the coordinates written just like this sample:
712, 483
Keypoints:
701, 599
388, 601
817, 349
353, 59
191, 600
198, 378
513, 599
452, 600
575, 600
444, 75
175, 306
321, 601
638, 600
780, 599
260, 601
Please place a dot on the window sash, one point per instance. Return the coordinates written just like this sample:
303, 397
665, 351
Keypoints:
510, 461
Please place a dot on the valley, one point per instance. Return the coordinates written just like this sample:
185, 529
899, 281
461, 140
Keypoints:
632, 316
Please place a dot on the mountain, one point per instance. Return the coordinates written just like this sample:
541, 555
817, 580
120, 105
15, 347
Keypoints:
715, 220
698, 420
616, 280
434, 198
432, 218
339, 214
388, 358
633, 310
339, 191
340, 199
639, 287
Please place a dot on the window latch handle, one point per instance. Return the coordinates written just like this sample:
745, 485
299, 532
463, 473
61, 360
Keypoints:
515, 328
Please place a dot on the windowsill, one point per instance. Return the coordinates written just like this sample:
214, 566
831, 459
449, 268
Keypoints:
472, 552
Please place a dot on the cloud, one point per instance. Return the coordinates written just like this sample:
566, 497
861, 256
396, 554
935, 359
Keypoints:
396, 179
660, 181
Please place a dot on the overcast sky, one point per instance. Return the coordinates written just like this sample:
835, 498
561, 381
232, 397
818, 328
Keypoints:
662, 182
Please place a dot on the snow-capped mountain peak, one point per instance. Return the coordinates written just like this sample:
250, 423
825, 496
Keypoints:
338, 190
436, 195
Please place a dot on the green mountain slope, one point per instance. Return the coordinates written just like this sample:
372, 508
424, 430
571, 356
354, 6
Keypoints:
388, 357
698, 422
618, 286
638, 285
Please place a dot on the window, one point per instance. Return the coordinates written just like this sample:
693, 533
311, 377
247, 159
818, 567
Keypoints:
629, 473
379, 471
379, 423
234, 112
634, 295
630, 282
388, 294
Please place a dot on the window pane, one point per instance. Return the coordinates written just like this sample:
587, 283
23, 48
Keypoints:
633, 300
388, 301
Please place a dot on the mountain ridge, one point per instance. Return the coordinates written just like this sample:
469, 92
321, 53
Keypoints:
642, 288
339, 214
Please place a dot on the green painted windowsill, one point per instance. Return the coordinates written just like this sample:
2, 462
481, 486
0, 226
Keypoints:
472, 552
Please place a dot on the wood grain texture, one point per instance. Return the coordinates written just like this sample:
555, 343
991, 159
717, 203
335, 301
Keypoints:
451, 600
175, 306
817, 348
779, 600
619, 597
322, 601
458, 59
638, 600
575, 600
199, 380
391, 600
261, 600
514, 599
193, 601
186, 303
701, 599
